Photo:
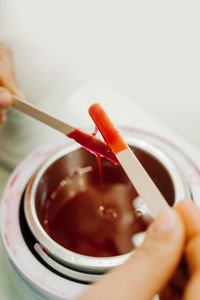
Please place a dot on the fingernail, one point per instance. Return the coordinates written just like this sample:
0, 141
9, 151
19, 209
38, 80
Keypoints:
6, 95
5, 98
164, 222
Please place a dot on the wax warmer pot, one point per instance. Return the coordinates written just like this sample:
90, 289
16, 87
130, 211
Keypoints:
43, 268
73, 167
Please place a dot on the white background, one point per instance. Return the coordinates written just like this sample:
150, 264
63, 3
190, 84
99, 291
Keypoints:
147, 49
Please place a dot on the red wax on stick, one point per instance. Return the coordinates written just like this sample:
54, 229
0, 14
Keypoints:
93, 144
109, 132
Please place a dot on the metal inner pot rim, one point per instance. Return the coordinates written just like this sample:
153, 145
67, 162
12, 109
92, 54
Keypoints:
83, 262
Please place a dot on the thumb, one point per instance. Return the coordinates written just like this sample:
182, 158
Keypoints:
11, 85
151, 266
7, 77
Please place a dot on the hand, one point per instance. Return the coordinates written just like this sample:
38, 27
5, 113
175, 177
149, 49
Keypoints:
151, 267
8, 84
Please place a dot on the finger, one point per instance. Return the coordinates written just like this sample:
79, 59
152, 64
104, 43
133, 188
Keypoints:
7, 78
10, 84
149, 268
191, 216
192, 290
5, 99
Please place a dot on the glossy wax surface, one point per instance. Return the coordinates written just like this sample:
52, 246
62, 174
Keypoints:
77, 220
